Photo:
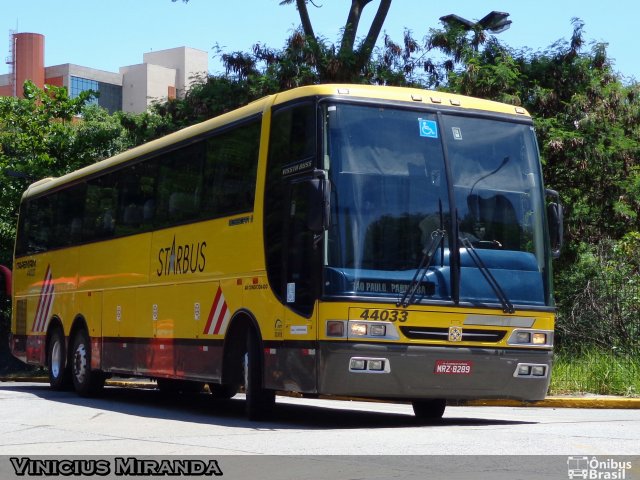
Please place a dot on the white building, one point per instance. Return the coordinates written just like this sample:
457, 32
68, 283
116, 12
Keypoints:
163, 74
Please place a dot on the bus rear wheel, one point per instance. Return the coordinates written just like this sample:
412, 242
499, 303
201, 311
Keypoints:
174, 386
260, 401
59, 372
223, 391
429, 409
86, 382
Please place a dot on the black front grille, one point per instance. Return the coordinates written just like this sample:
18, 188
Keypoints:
425, 333
468, 335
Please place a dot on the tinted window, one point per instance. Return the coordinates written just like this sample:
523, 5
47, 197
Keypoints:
231, 166
100, 208
179, 190
209, 178
291, 142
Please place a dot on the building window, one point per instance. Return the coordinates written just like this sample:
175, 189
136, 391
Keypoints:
110, 96
79, 85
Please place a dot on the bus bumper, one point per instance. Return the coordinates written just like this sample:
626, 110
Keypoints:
418, 371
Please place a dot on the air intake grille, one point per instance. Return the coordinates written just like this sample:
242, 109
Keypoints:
468, 335
21, 317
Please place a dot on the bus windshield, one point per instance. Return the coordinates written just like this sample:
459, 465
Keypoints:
397, 175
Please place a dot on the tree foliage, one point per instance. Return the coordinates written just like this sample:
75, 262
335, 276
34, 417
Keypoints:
587, 121
349, 61
588, 126
41, 135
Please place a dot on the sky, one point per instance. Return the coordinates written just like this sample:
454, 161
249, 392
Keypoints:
109, 34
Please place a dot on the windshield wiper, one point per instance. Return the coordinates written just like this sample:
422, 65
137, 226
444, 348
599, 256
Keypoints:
427, 254
507, 306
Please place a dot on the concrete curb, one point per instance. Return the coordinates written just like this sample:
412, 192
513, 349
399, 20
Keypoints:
594, 401
563, 402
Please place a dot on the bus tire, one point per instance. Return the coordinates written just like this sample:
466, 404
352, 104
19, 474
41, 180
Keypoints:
59, 371
175, 386
223, 391
429, 409
86, 382
260, 401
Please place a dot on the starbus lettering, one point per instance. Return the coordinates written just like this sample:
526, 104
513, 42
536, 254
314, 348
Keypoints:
22, 264
144, 467
181, 259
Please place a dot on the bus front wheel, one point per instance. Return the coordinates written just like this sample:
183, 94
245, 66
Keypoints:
429, 409
260, 401
86, 382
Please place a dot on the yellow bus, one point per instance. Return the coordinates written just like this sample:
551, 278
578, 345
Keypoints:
366, 241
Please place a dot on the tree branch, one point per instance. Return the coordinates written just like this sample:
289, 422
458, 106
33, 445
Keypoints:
305, 20
310, 35
351, 26
366, 48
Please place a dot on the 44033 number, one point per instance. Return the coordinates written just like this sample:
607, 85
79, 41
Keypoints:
385, 315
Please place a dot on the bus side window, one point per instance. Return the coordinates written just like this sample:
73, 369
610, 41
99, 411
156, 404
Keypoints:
38, 225
230, 170
180, 177
69, 210
100, 207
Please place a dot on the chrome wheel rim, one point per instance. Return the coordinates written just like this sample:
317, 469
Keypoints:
56, 358
245, 367
80, 363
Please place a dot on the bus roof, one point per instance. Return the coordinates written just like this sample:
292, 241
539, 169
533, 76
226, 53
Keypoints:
346, 91
401, 94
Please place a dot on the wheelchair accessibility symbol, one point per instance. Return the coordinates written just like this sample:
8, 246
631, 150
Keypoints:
428, 128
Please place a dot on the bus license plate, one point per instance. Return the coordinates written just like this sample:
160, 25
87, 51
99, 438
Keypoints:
452, 367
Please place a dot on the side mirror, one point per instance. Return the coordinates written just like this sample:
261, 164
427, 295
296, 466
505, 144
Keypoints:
319, 212
5, 282
555, 217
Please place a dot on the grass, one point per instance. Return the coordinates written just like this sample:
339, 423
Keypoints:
595, 372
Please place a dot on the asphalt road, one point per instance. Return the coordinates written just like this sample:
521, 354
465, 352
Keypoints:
38, 421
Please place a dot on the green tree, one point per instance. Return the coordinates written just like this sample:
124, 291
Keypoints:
347, 61
45, 134
588, 125
587, 121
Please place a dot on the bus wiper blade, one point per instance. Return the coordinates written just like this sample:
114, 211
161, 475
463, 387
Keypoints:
409, 294
507, 306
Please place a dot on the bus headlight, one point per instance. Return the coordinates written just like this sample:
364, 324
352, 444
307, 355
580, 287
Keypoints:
358, 329
531, 338
530, 370
538, 370
357, 364
377, 330
539, 338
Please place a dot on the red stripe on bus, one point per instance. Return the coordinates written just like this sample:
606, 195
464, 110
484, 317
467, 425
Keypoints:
46, 307
223, 312
45, 283
213, 310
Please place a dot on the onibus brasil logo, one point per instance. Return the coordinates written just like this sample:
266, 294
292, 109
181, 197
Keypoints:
594, 468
